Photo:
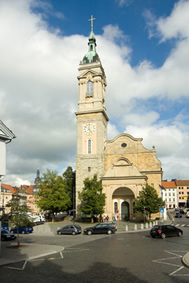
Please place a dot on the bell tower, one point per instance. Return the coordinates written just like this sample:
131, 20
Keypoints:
91, 117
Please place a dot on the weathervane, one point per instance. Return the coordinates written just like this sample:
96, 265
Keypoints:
92, 19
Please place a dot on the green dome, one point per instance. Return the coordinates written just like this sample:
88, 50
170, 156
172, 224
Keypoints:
91, 56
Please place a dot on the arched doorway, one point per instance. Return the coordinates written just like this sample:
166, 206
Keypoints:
125, 214
122, 205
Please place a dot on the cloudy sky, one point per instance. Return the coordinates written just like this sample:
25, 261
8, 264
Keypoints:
144, 49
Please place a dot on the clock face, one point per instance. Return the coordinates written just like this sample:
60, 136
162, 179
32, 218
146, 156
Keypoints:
89, 128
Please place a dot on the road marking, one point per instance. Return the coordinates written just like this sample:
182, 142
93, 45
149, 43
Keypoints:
35, 259
179, 267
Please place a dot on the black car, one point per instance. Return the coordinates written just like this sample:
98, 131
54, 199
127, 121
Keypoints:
70, 229
6, 236
178, 215
101, 228
164, 231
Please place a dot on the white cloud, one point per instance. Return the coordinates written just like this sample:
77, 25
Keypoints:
122, 3
39, 92
176, 25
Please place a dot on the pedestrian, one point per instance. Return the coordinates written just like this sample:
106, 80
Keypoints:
107, 218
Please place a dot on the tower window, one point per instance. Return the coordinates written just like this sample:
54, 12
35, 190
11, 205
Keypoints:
89, 169
89, 146
89, 88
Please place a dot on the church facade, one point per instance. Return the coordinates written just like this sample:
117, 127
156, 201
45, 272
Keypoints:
123, 164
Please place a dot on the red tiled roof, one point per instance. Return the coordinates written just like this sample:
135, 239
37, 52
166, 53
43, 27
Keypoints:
30, 190
182, 182
8, 187
169, 184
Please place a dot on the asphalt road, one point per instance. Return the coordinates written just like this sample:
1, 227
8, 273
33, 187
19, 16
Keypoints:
126, 257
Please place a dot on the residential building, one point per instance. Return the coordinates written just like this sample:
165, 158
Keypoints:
169, 194
182, 192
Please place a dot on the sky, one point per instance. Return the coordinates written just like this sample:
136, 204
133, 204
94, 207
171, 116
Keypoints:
144, 49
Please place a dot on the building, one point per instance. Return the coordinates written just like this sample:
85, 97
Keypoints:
5, 197
123, 164
182, 192
169, 194
6, 136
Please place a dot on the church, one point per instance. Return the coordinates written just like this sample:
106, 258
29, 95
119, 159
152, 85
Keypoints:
123, 164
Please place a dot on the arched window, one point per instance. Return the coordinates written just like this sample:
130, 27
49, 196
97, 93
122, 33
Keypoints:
115, 207
89, 146
89, 88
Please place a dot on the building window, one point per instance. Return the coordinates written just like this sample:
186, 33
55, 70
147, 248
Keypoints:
89, 169
115, 207
89, 146
170, 199
89, 88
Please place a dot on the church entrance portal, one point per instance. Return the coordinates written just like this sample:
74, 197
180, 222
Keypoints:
125, 215
123, 199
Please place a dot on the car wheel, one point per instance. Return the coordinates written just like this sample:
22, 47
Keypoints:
109, 232
153, 236
59, 233
89, 233
73, 233
23, 232
163, 236
179, 234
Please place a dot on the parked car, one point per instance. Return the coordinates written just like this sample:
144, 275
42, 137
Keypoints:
70, 230
38, 220
22, 230
6, 236
101, 228
164, 231
5, 226
187, 214
178, 215
181, 211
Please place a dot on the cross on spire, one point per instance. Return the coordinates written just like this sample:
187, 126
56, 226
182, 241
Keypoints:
92, 19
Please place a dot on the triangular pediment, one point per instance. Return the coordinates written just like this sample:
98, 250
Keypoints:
88, 74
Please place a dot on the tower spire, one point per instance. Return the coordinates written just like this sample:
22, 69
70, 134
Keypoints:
92, 19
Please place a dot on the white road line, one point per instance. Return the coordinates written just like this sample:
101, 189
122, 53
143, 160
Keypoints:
176, 255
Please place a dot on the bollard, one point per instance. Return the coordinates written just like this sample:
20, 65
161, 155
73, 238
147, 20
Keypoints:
150, 225
126, 228
142, 226
146, 225
135, 227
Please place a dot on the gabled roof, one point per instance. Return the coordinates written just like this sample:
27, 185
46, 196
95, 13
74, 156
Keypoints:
30, 190
6, 187
5, 132
169, 184
182, 182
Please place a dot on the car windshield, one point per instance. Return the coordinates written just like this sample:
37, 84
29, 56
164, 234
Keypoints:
4, 232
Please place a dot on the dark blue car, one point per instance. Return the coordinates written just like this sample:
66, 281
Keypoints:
22, 230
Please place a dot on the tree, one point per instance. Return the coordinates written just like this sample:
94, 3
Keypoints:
52, 195
18, 212
149, 201
69, 183
92, 198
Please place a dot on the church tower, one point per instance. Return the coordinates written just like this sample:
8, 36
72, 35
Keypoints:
91, 117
